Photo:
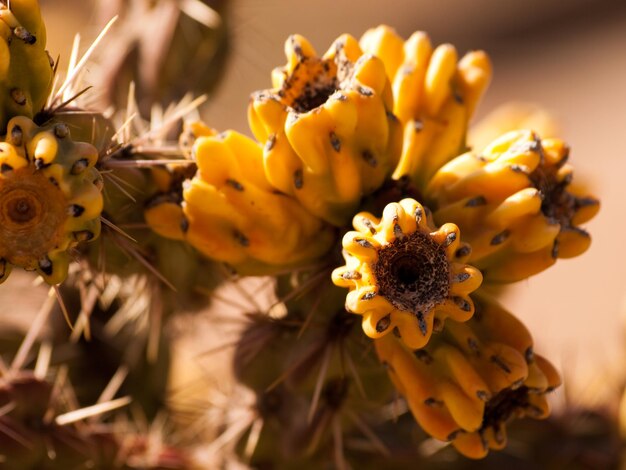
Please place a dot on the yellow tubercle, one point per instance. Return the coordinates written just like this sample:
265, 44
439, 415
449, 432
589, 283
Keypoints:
405, 275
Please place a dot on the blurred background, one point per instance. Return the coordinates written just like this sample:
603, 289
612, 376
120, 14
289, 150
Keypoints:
569, 57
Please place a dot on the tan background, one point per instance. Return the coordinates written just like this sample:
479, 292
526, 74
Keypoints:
568, 56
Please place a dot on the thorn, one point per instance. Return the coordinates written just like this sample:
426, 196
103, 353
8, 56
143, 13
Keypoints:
89, 411
43, 361
73, 71
321, 377
253, 438
69, 100
340, 460
309, 316
115, 228
33, 332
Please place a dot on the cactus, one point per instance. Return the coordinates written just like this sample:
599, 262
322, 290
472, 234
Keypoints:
155, 52
415, 355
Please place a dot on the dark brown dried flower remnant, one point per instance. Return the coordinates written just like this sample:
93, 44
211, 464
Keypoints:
515, 204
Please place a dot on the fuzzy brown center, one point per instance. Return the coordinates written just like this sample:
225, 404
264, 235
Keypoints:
413, 273
310, 84
313, 95
22, 208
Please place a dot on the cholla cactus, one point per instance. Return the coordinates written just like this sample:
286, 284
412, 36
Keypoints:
153, 45
373, 131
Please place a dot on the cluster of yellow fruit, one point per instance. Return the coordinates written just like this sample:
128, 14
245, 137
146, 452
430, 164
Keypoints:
232, 214
514, 204
405, 274
330, 134
472, 378
333, 130
517, 213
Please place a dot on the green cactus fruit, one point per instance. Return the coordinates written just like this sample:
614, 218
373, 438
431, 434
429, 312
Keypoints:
25, 65
50, 198
132, 248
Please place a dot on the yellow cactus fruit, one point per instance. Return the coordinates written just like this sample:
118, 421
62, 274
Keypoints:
435, 95
25, 66
515, 205
510, 117
329, 134
472, 379
405, 275
230, 213
50, 198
